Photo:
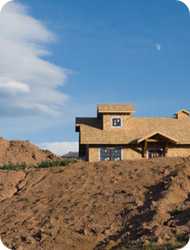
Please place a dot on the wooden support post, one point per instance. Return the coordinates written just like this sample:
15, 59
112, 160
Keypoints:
166, 150
145, 149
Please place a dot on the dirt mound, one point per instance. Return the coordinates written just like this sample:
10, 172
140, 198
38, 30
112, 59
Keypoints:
100, 206
22, 152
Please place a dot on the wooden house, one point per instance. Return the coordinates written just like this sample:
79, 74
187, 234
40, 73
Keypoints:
116, 134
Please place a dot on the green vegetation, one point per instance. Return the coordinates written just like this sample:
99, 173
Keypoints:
43, 164
56, 163
15, 167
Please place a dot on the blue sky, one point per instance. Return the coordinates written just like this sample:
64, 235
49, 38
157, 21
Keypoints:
111, 51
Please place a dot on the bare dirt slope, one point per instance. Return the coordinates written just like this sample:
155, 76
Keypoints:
22, 152
96, 206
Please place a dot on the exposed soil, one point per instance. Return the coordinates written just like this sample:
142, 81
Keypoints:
100, 206
22, 152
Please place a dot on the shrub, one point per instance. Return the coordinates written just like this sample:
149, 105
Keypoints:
43, 164
56, 163
11, 166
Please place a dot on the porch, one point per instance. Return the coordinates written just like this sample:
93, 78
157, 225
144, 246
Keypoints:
155, 145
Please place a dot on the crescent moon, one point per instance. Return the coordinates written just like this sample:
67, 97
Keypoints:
187, 247
3, 3
186, 3
2, 247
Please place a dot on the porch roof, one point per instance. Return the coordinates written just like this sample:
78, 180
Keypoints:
149, 136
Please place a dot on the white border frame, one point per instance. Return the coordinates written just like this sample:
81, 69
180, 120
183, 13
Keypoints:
116, 117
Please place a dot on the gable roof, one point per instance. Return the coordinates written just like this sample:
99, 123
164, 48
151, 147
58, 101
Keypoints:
136, 129
115, 108
183, 111
169, 138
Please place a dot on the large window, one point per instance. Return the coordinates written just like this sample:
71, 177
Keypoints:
116, 122
110, 154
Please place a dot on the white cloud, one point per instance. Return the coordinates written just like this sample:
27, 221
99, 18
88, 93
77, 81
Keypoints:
28, 81
61, 148
13, 87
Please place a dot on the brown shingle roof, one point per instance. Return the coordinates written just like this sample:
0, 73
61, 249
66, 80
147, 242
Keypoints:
115, 108
137, 128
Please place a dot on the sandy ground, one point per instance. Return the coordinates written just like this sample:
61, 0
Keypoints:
100, 206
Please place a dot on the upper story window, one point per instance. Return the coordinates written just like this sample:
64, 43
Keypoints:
116, 122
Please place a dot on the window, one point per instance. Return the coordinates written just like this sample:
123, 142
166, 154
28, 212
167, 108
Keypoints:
116, 122
156, 152
110, 154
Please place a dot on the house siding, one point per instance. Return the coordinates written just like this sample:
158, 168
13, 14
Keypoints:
131, 154
93, 154
127, 153
138, 136
182, 151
